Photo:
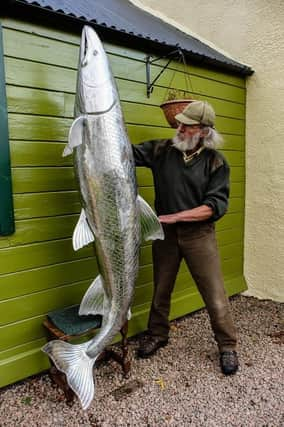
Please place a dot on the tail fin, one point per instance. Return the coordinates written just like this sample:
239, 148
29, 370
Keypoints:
76, 365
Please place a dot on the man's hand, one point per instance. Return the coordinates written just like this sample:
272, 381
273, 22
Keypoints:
169, 219
201, 213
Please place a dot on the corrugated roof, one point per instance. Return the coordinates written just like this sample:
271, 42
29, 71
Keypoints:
124, 17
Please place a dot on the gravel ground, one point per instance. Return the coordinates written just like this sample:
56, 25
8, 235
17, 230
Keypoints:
180, 386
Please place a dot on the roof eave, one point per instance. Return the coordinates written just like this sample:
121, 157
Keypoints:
30, 11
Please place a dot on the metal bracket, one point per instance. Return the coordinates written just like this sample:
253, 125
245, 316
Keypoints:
150, 86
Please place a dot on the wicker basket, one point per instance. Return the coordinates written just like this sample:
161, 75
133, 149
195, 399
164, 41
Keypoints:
172, 108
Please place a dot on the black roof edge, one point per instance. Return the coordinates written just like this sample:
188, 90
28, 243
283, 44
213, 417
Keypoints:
46, 15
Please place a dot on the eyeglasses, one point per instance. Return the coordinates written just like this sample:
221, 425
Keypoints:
188, 126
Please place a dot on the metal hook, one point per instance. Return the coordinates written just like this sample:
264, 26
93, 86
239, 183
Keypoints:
150, 86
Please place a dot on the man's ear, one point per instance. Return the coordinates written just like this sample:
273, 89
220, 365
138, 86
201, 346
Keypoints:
204, 131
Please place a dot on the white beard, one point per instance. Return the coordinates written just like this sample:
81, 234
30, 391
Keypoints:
186, 144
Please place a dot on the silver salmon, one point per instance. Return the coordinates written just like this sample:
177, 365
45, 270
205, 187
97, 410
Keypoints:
113, 215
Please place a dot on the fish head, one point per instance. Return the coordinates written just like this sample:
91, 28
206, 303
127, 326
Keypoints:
96, 90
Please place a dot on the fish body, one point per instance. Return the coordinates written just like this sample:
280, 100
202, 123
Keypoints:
113, 215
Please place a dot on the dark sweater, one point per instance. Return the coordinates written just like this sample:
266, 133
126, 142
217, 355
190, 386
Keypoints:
181, 186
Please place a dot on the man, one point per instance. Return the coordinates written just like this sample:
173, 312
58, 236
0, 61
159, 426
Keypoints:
191, 182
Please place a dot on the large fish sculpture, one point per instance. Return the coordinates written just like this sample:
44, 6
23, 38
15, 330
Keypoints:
113, 215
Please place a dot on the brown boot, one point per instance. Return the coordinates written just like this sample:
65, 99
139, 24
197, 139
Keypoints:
149, 344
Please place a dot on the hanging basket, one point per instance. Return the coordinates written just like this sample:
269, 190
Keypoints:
174, 107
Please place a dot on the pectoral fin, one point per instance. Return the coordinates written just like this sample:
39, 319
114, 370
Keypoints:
75, 136
82, 235
151, 228
94, 300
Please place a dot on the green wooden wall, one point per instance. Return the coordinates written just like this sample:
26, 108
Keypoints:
39, 271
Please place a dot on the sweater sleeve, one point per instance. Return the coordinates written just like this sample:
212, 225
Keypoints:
218, 190
144, 154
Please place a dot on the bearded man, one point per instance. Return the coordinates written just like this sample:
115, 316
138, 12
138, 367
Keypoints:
191, 182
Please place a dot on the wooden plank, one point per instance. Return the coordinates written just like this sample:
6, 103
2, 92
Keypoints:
232, 250
233, 235
23, 364
23, 307
38, 75
41, 229
41, 102
233, 142
20, 333
234, 158
32, 180
234, 220
32, 47
38, 128
237, 189
21, 283
39, 255
39, 153
236, 204
36, 205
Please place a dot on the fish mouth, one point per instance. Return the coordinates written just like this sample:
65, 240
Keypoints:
95, 83
87, 35
93, 59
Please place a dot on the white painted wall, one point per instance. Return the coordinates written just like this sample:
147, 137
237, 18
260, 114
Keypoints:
251, 31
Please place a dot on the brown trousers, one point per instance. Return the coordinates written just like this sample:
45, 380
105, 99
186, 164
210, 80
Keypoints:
196, 243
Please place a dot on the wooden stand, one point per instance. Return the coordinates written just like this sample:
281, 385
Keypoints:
60, 378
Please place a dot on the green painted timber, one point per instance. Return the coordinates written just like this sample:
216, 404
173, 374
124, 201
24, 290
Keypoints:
39, 271
6, 206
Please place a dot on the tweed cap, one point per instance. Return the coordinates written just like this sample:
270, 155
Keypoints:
197, 112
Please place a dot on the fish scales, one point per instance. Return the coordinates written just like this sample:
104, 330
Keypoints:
113, 199
113, 215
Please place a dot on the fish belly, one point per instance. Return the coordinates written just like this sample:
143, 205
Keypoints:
105, 169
